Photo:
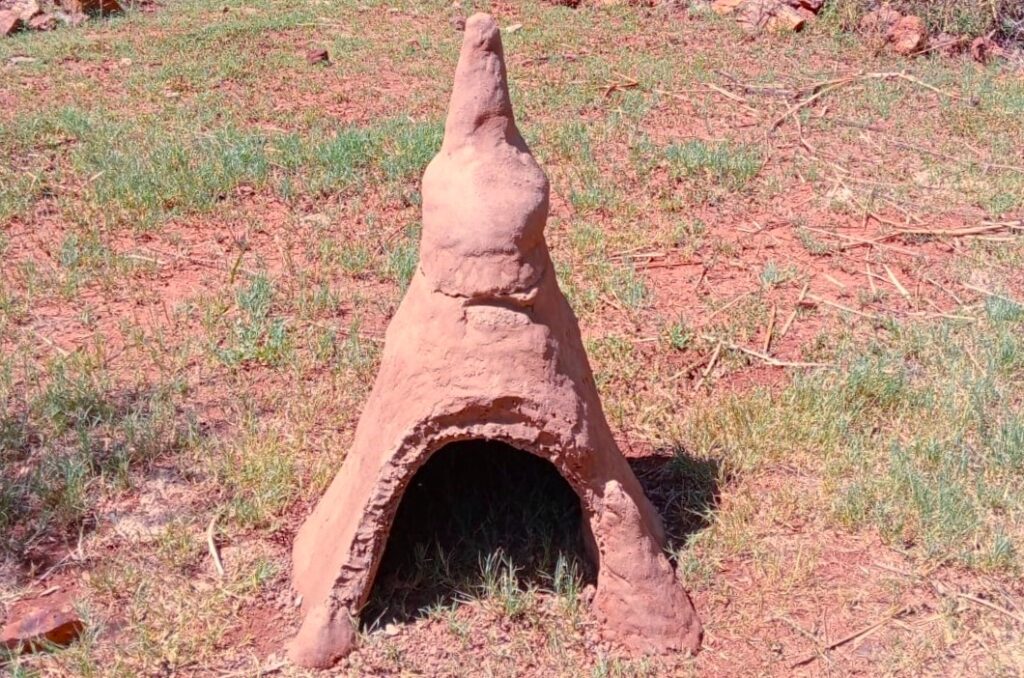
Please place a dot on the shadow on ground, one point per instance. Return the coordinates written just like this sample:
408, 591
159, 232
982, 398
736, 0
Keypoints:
684, 489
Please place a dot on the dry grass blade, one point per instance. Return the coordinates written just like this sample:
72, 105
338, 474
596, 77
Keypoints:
990, 293
259, 671
853, 636
838, 306
771, 328
820, 89
896, 282
710, 366
854, 241
211, 546
992, 606
774, 362
986, 227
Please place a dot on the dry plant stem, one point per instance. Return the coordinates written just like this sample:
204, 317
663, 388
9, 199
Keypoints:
853, 636
990, 293
727, 305
847, 309
206, 263
896, 283
681, 96
49, 342
260, 671
986, 227
943, 590
858, 242
771, 328
796, 308
871, 277
211, 545
822, 88
992, 606
710, 366
954, 158
774, 362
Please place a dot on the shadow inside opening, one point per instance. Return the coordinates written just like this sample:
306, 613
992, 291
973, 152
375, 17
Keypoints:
478, 518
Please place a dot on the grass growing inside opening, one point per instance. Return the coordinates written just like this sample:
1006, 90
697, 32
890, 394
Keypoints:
480, 520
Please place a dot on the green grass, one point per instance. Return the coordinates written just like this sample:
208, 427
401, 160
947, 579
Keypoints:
722, 164
69, 434
916, 436
144, 172
254, 336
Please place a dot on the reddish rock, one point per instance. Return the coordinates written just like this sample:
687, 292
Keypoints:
783, 18
41, 626
26, 9
881, 20
74, 7
726, 6
775, 15
10, 22
983, 49
42, 22
771, 14
812, 5
484, 347
318, 56
908, 36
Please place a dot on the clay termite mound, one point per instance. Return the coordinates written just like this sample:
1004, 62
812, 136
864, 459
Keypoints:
485, 347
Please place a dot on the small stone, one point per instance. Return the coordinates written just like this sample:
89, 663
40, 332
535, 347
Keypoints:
92, 6
771, 14
10, 22
318, 56
42, 22
812, 5
514, 28
983, 48
726, 6
786, 19
26, 9
880, 20
908, 36
391, 630
42, 625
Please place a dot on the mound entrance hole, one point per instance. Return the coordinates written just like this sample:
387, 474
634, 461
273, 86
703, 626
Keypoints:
477, 513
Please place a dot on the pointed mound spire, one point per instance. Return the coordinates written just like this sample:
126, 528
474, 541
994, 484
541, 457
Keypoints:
480, 100
485, 199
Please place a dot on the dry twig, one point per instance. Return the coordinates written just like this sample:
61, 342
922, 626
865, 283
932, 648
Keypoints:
853, 636
992, 606
212, 547
820, 89
771, 328
774, 362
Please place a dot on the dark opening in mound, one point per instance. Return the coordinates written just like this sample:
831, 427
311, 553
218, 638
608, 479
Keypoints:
478, 511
